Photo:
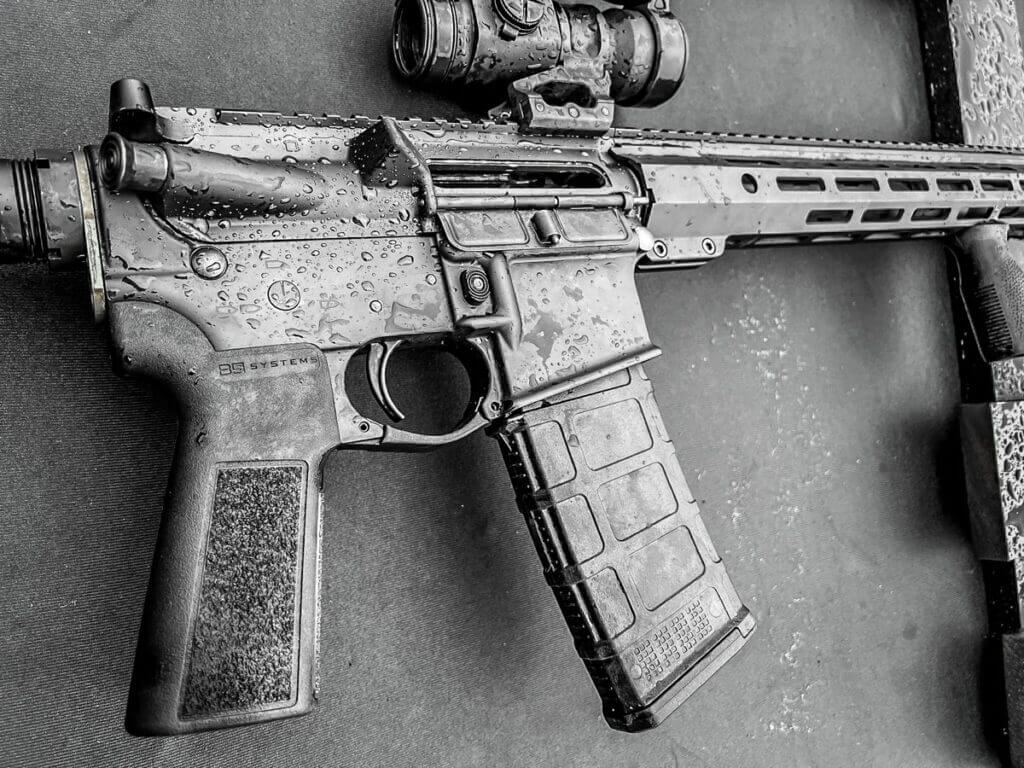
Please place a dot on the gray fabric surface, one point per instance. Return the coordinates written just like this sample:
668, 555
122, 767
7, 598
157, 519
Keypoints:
811, 394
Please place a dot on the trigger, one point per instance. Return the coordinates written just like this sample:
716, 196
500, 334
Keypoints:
377, 372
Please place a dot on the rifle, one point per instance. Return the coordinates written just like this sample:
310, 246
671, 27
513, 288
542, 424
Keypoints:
245, 259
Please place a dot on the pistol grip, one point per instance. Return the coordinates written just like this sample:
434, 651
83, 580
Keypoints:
647, 599
229, 630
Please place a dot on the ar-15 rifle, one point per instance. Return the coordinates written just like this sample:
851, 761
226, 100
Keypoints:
246, 258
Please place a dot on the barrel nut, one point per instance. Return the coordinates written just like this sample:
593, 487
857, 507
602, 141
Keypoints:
709, 246
475, 286
209, 263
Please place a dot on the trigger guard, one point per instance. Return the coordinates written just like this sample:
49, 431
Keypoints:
403, 440
389, 437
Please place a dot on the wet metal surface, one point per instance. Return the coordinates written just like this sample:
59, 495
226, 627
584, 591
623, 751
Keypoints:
264, 190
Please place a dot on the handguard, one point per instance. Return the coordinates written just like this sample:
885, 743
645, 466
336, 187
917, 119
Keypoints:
646, 596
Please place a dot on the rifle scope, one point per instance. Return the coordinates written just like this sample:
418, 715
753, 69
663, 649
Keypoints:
456, 43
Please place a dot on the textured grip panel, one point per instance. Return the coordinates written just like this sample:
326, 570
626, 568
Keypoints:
646, 597
245, 636
229, 632
992, 288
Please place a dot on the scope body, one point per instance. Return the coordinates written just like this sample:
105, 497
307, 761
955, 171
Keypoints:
458, 43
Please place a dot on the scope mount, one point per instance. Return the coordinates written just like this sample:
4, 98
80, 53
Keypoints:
574, 97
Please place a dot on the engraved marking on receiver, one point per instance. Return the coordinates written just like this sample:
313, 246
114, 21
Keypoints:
268, 365
284, 295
